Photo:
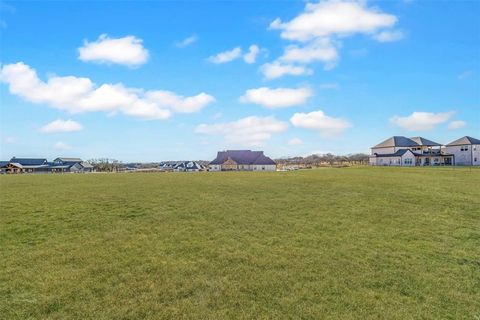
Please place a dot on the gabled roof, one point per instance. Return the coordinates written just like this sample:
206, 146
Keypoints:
86, 165
397, 141
463, 141
3, 164
425, 142
29, 161
243, 157
398, 153
263, 160
188, 165
68, 159
18, 165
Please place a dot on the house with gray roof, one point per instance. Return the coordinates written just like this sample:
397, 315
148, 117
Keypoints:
403, 151
466, 151
242, 160
41, 165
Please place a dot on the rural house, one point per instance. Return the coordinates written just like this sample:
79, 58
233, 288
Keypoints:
403, 151
72, 164
41, 165
242, 160
466, 151
181, 166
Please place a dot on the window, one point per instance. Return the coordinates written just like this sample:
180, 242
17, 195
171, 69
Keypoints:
408, 161
464, 148
475, 159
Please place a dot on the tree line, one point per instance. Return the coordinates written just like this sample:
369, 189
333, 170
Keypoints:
315, 160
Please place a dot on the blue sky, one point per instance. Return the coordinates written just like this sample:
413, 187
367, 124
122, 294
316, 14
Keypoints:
151, 81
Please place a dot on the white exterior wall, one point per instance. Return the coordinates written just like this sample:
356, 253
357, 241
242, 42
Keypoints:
214, 167
411, 160
388, 161
383, 150
476, 154
465, 158
267, 167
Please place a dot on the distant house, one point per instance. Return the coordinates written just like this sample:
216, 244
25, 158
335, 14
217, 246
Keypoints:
403, 151
4, 166
27, 165
41, 165
188, 166
466, 151
181, 166
242, 160
75, 165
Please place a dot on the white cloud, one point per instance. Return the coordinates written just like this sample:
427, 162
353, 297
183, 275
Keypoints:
277, 98
419, 121
319, 50
250, 131
61, 146
77, 95
295, 142
128, 51
187, 41
321, 28
167, 99
319, 121
456, 124
276, 70
251, 55
226, 56
389, 36
60, 125
330, 18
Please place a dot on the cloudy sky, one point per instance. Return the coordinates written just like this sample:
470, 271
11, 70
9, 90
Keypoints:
172, 80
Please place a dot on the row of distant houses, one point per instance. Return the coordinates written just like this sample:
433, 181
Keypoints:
418, 151
230, 160
40, 165
395, 151
182, 166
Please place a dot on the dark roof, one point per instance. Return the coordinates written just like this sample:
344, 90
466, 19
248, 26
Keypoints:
68, 159
243, 157
29, 161
425, 142
397, 141
263, 160
4, 163
398, 153
188, 165
53, 165
463, 141
401, 152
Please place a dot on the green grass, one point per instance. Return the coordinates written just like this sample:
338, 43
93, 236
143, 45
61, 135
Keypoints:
352, 243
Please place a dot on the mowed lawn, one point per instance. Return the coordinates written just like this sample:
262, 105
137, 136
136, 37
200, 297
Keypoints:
350, 243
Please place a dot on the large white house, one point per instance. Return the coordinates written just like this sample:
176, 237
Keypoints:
403, 151
466, 151
242, 160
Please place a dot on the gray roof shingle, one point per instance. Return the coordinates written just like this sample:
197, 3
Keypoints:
463, 141
243, 157
397, 141
425, 142
29, 161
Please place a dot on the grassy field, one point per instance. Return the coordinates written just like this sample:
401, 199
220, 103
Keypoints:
351, 243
